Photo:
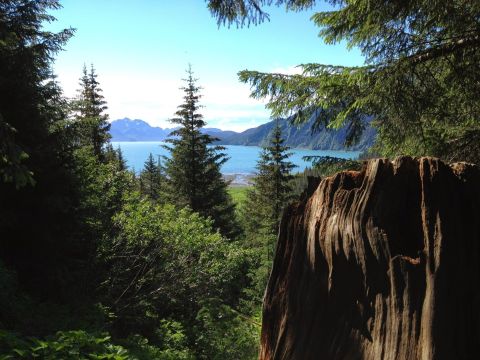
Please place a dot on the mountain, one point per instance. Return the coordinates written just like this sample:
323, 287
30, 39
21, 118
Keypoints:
139, 130
300, 136
136, 130
296, 136
219, 133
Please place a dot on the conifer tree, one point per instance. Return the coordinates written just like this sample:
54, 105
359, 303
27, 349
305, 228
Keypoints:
271, 191
89, 108
264, 204
115, 156
193, 167
35, 158
419, 85
151, 179
122, 163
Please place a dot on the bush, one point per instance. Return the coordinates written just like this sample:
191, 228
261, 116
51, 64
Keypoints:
64, 345
163, 263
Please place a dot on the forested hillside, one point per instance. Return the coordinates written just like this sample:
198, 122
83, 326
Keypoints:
377, 263
98, 262
95, 261
296, 135
136, 130
139, 130
302, 136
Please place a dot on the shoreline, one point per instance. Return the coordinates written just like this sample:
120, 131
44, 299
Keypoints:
239, 180
249, 145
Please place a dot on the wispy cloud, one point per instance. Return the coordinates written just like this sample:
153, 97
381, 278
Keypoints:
289, 70
237, 124
155, 99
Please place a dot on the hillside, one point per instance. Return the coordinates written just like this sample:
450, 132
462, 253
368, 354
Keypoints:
300, 136
138, 130
295, 136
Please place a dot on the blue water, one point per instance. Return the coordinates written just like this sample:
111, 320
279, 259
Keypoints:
243, 159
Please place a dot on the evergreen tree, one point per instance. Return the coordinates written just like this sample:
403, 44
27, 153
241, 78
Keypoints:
122, 163
115, 156
89, 108
35, 154
264, 204
279, 173
271, 191
151, 179
419, 85
193, 168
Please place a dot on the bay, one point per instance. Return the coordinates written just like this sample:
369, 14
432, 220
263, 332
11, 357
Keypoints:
242, 159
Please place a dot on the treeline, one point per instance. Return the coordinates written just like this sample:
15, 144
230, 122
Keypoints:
98, 262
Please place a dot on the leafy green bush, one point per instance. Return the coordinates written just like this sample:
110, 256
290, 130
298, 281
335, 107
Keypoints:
76, 344
163, 263
224, 333
173, 344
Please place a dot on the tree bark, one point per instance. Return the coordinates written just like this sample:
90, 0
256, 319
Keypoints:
379, 264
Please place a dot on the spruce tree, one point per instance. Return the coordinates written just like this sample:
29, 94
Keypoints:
36, 189
151, 179
280, 174
115, 156
193, 167
122, 163
264, 204
89, 108
419, 85
272, 190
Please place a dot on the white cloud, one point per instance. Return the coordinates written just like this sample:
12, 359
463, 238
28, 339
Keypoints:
155, 98
237, 124
289, 70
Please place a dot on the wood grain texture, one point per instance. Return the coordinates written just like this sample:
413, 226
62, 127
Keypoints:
379, 264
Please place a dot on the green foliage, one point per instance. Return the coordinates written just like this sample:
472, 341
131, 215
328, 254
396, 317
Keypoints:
419, 83
151, 179
90, 122
223, 333
193, 168
262, 242
76, 344
271, 190
163, 262
34, 149
238, 194
173, 344
329, 165
80, 249
12, 158
101, 187
263, 207
246, 12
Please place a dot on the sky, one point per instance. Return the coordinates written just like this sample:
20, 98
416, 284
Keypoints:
141, 49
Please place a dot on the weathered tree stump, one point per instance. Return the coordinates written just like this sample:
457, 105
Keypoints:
379, 264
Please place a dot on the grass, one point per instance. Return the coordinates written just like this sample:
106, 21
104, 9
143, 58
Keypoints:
238, 194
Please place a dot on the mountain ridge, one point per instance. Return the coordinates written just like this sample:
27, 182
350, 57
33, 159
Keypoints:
296, 136
301, 136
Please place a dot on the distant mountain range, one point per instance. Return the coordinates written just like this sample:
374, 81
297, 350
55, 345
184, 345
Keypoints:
295, 136
139, 130
300, 136
136, 130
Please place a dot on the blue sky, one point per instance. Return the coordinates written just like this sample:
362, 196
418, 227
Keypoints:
141, 49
